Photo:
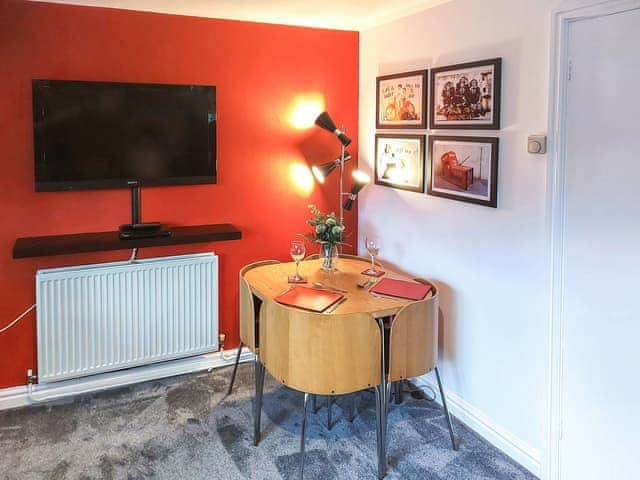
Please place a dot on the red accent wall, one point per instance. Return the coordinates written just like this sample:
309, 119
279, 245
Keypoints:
258, 69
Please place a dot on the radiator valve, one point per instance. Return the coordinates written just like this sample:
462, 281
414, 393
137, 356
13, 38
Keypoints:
31, 378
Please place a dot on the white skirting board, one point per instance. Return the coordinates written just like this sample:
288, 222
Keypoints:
18, 396
523, 453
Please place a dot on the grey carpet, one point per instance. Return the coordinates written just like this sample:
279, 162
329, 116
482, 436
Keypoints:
186, 428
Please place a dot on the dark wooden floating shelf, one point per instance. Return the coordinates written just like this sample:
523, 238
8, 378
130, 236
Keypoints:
101, 241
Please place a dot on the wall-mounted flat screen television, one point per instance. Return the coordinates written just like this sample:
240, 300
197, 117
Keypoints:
114, 135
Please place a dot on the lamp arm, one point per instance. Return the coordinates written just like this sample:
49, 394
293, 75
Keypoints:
342, 150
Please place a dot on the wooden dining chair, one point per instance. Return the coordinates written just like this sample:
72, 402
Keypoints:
413, 345
322, 354
248, 317
316, 256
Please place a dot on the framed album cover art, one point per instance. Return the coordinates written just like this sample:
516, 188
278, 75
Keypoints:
466, 96
399, 161
464, 168
401, 100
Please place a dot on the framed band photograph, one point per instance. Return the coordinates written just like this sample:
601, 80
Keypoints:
464, 168
400, 161
401, 100
466, 96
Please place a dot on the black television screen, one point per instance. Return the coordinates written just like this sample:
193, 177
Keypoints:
114, 135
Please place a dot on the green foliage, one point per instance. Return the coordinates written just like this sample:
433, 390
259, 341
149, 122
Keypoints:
327, 229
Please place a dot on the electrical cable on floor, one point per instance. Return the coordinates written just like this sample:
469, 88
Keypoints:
412, 387
20, 317
132, 259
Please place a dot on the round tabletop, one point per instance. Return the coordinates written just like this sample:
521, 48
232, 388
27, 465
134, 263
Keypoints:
269, 281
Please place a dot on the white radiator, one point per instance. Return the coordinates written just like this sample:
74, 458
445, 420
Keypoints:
98, 318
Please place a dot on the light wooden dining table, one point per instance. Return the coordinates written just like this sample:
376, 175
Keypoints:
269, 281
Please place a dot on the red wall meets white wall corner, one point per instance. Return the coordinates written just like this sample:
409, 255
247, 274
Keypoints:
259, 71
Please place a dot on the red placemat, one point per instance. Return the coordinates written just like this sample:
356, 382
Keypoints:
401, 289
307, 298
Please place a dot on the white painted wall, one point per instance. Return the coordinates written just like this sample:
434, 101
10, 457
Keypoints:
491, 264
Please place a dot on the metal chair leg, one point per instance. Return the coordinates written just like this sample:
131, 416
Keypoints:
381, 431
235, 369
382, 406
354, 410
398, 391
454, 444
258, 401
329, 404
303, 434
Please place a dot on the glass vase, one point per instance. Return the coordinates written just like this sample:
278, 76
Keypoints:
328, 257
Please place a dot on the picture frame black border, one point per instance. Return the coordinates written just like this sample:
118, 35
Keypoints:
497, 95
495, 155
422, 138
425, 89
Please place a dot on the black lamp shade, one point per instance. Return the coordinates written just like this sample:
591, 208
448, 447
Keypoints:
321, 172
360, 179
324, 121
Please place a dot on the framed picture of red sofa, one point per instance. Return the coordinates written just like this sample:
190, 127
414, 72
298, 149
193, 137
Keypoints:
399, 161
464, 168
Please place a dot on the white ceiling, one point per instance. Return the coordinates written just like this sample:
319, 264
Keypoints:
338, 14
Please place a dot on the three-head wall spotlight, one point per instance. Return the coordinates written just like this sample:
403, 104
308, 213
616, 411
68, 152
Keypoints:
322, 171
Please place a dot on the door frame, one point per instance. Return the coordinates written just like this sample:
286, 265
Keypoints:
561, 20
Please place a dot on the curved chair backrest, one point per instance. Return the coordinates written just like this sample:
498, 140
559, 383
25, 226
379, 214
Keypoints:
413, 343
247, 310
319, 353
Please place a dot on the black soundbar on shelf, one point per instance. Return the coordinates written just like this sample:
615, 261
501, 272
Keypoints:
102, 241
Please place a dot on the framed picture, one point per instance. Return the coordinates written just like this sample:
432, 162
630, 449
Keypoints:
401, 100
466, 96
464, 168
400, 161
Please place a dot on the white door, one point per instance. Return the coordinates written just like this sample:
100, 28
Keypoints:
601, 324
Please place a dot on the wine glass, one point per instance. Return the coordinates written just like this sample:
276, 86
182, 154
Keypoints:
372, 244
297, 252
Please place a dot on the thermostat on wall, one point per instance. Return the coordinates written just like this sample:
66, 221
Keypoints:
537, 144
